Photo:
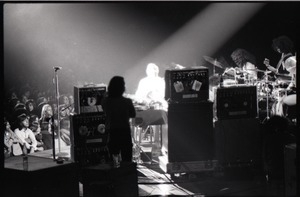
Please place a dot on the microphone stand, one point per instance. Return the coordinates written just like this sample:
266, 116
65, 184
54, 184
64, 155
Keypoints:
53, 136
59, 154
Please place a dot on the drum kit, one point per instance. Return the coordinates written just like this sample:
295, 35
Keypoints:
272, 92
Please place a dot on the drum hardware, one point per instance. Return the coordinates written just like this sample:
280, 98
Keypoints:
267, 94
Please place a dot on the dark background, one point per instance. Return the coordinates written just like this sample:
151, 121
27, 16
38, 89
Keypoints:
94, 41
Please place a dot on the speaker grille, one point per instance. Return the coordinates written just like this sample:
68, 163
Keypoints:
187, 85
89, 138
236, 102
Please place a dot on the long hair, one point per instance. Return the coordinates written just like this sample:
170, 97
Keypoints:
43, 111
283, 43
243, 56
20, 119
116, 87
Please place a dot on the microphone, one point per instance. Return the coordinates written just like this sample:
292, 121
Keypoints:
57, 68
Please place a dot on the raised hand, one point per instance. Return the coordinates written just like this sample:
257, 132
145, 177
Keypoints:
271, 68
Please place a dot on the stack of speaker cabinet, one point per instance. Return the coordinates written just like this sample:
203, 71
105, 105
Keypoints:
190, 119
90, 150
237, 129
89, 135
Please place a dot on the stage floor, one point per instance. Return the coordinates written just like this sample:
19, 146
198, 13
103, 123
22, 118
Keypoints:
153, 181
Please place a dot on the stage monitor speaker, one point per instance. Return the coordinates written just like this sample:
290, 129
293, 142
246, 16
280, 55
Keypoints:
187, 85
89, 138
190, 132
236, 102
88, 99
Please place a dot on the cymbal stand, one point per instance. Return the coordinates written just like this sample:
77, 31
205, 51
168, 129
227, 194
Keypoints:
267, 105
214, 68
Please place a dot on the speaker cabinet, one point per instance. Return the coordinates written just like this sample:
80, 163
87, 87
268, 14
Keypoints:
238, 140
236, 102
290, 169
103, 180
187, 85
190, 132
88, 99
89, 138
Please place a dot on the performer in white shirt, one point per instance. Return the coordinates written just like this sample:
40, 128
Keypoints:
151, 89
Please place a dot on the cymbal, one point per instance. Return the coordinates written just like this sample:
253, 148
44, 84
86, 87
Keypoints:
240, 70
283, 81
213, 61
258, 70
283, 75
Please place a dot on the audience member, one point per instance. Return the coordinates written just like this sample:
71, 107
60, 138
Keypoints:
11, 142
47, 126
71, 101
34, 125
30, 107
65, 131
25, 135
64, 101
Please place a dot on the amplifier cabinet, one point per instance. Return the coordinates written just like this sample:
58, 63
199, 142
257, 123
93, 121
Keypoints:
190, 132
290, 169
187, 85
238, 140
103, 180
88, 99
89, 138
236, 102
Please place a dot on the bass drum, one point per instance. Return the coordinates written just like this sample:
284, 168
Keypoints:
285, 105
291, 102
291, 98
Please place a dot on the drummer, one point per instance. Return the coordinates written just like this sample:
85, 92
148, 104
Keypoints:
287, 62
246, 64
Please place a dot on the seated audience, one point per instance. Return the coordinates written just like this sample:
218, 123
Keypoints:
25, 135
